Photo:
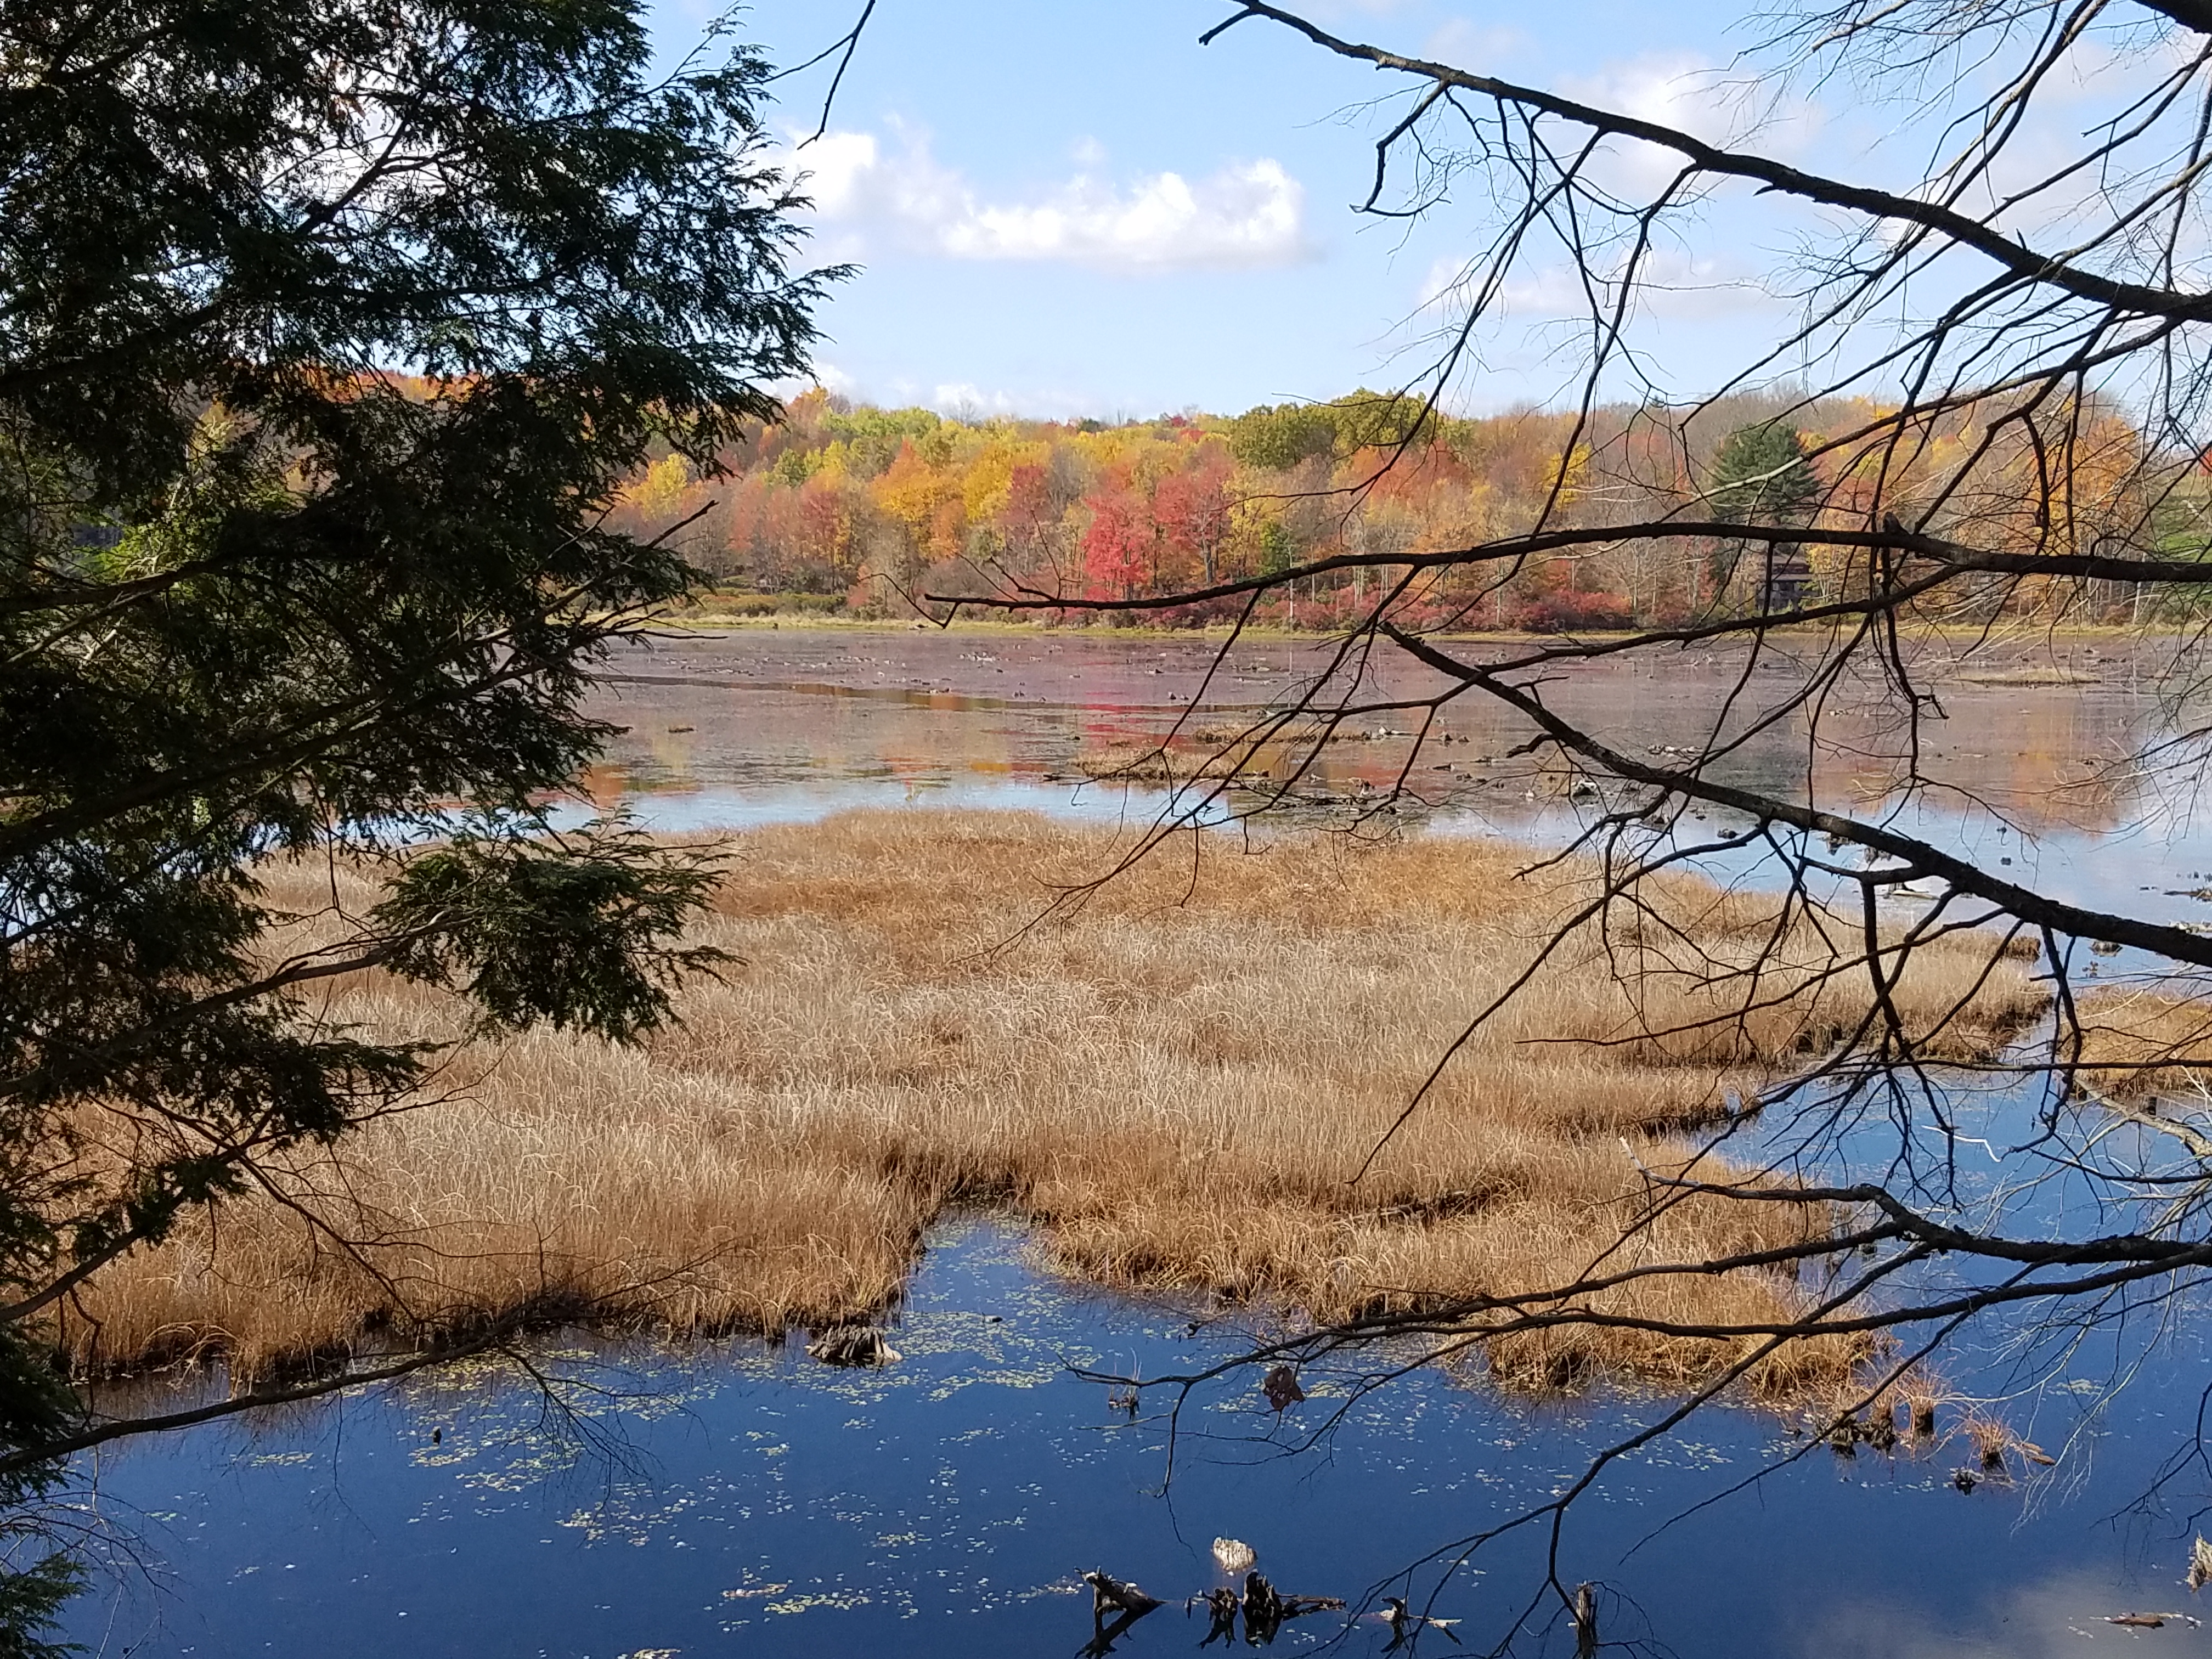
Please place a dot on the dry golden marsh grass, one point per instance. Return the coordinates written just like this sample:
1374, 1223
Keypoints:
2141, 1045
1173, 1081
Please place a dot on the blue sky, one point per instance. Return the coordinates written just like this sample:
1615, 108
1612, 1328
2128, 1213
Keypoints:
1069, 207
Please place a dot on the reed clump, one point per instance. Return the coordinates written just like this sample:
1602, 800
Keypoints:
1206, 757
2142, 1044
1176, 1079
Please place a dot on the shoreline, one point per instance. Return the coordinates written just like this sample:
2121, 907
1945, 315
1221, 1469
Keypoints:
1991, 644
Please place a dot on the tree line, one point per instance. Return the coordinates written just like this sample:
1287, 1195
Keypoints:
865, 509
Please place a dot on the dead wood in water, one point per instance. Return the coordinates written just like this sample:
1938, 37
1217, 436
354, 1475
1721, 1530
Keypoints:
1221, 1609
1262, 1607
1103, 1635
853, 1344
1405, 1624
1267, 1610
1108, 1591
1585, 1621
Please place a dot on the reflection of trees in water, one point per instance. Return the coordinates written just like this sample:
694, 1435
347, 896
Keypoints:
2048, 755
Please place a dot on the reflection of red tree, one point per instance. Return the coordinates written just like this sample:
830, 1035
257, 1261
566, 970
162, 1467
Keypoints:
1105, 726
604, 785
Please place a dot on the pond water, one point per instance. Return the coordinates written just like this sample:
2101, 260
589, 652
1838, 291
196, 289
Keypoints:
739, 1498
755, 726
745, 1499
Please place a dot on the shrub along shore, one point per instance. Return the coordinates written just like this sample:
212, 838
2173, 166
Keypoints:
1174, 1080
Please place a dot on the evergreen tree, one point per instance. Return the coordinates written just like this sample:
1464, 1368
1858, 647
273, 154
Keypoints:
329, 331
1760, 475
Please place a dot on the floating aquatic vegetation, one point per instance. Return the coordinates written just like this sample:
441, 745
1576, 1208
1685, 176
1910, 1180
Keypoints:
1234, 1555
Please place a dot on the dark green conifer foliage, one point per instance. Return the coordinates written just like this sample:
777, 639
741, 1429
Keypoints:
329, 329
1760, 475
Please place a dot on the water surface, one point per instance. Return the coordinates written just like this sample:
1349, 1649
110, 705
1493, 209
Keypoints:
743, 1500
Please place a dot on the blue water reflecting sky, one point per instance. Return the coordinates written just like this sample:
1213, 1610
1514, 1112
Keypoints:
746, 1500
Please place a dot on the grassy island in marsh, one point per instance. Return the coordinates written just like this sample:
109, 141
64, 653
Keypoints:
1174, 1080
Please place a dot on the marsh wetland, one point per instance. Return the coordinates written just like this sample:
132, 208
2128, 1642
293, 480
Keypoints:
899, 1059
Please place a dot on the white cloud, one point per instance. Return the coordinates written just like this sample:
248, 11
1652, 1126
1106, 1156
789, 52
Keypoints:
1670, 89
965, 398
2049, 1617
1244, 216
1672, 284
1721, 106
1468, 46
826, 375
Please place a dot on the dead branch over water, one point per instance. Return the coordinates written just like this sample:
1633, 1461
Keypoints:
1177, 1079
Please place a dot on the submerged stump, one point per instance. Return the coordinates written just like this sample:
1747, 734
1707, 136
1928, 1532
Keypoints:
852, 1344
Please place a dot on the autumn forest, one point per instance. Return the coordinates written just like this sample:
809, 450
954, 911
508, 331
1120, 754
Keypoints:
864, 510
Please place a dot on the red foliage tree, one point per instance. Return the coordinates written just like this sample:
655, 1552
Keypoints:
1191, 508
1118, 544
